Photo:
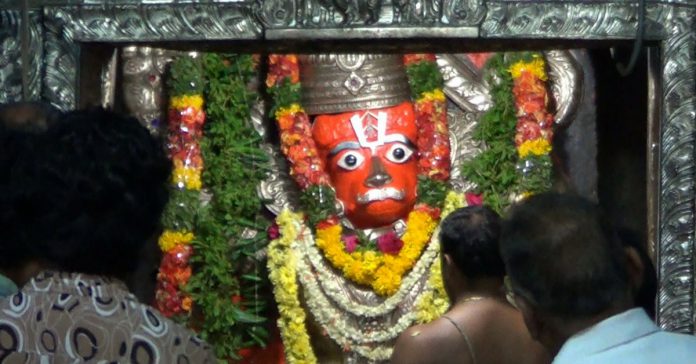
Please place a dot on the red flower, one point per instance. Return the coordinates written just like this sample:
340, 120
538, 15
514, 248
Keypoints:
479, 59
389, 243
351, 242
434, 212
527, 130
236, 299
324, 224
418, 57
273, 231
280, 67
473, 199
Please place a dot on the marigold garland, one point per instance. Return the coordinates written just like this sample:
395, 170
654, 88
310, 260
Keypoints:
434, 301
534, 124
517, 132
381, 272
283, 272
185, 129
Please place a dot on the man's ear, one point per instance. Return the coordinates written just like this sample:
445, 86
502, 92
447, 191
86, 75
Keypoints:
447, 261
531, 317
635, 267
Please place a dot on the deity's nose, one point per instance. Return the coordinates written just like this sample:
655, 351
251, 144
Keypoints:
378, 175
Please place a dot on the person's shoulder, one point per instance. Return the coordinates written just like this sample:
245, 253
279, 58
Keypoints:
181, 344
429, 343
676, 341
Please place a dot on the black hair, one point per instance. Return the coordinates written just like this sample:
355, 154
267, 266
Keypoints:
646, 294
93, 192
563, 255
470, 236
21, 125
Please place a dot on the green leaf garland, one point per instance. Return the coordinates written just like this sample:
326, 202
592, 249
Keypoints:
228, 277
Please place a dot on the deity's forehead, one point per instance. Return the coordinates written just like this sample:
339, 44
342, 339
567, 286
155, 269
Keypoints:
369, 128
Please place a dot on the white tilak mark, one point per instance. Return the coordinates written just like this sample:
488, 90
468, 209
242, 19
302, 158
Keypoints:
359, 129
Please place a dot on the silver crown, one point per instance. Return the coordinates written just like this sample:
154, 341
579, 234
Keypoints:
336, 83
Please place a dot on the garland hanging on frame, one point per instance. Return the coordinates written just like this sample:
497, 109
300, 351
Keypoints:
517, 132
218, 290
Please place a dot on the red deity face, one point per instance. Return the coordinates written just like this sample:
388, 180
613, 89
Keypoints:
372, 161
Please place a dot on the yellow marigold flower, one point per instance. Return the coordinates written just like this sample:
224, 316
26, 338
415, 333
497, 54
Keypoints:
187, 177
186, 304
169, 239
434, 95
536, 67
287, 111
182, 102
539, 146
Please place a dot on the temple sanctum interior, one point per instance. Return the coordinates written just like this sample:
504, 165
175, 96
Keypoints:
317, 146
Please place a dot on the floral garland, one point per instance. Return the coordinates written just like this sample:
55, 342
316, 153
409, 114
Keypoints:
214, 282
227, 280
534, 124
517, 132
383, 268
282, 264
186, 119
434, 301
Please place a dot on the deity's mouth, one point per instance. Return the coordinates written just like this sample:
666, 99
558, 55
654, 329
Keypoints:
381, 194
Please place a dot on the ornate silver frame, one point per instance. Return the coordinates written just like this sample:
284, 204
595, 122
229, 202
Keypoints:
56, 29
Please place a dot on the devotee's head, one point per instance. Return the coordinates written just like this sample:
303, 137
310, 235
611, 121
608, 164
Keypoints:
94, 193
469, 246
21, 124
567, 269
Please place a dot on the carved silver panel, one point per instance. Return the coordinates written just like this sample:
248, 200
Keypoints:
568, 20
10, 60
62, 54
11, 56
377, 15
156, 22
676, 215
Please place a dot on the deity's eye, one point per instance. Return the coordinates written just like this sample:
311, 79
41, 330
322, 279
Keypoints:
399, 153
351, 160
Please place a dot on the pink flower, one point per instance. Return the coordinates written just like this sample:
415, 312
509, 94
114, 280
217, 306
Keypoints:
273, 231
389, 243
473, 199
351, 242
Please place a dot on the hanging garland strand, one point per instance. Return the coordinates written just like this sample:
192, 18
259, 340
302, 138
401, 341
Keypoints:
534, 129
185, 129
516, 130
225, 286
434, 163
